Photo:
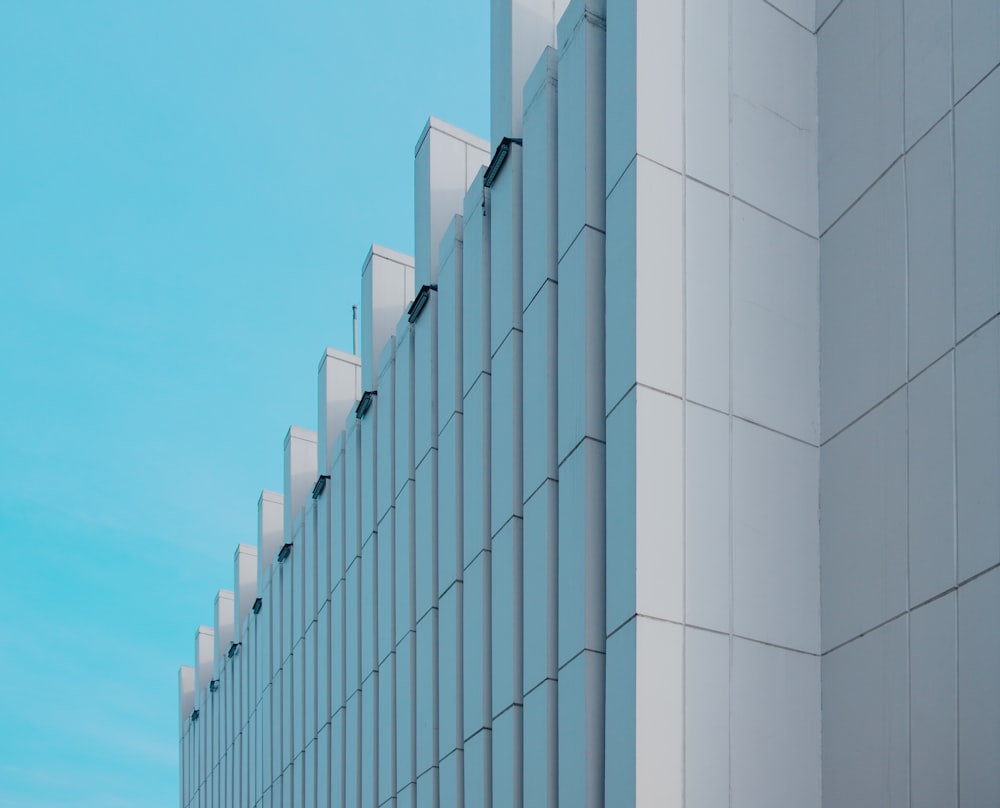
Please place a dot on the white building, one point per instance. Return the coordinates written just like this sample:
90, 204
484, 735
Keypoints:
669, 473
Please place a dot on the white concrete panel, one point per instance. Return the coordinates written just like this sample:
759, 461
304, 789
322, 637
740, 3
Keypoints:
449, 670
507, 615
338, 657
427, 691
863, 305
450, 780
927, 39
337, 761
337, 493
775, 300
506, 473
386, 438
864, 523
426, 789
775, 762
339, 390
403, 409
441, 169
645, 69
540, 747
324, 663
581, 347
406, 796
369, 740
300, 474
508, 761
931, 481
386, 552
979, 693
285, 613
425, 380
706, 719
977, 41
581, 109
519, 29
426, 533
776, 552
802, 11
706, 91
506, 246
582, 731
323, 769
204, 661
405, 594
352, 751
645, 709
645, 508
977, 200
645, 290
450, 494
774, 113
866, 720
405, 726
369, 607
352, 628
476, 468
270, 530
224, 632
934, 705
475, 285
352, 491
540, 599
707, 554
186, 691
860, 100
386, 730
386, 291
477, 645
540, 357
245, 590
977, 402
707, 281
478, 769
541, 209
450, 323
368, 437
930, 237
581, 551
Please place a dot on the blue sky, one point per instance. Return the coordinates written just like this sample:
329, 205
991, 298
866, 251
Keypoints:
187, 192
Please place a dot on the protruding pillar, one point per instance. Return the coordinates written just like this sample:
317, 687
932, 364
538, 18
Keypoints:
223, 626
339, 391
447, 160
519, 30
270, 531
300, 474
245, 592
386, 291
204, 656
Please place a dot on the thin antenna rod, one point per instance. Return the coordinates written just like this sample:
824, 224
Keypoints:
355, 349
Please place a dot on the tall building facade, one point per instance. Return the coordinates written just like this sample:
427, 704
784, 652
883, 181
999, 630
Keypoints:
669, 472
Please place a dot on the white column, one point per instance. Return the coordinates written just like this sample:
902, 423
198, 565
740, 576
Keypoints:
581, 374
477, 623
540, 299
450, 566
386, 291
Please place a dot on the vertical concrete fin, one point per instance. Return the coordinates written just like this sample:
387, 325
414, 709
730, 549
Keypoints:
339, 391
386, 291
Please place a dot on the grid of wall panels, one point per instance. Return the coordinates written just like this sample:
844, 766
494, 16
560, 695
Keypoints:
557, 539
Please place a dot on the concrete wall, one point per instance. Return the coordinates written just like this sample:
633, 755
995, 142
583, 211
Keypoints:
682, 488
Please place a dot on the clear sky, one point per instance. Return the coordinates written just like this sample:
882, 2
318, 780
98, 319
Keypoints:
187, 192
